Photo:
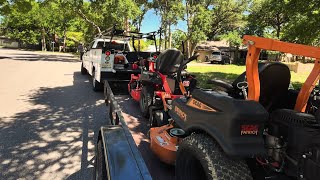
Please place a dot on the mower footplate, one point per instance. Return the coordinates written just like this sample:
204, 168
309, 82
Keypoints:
163, 145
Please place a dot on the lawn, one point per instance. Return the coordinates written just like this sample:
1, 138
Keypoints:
228, 73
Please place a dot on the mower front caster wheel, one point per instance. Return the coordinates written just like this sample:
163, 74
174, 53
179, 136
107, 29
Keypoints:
146, 100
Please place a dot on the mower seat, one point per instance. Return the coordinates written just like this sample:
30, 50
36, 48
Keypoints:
274, 84
169, 61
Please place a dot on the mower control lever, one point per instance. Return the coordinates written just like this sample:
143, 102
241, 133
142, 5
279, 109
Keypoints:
243, 87
195, 56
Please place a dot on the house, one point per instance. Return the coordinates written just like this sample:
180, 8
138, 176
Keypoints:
236, 54
7, 42
207, 47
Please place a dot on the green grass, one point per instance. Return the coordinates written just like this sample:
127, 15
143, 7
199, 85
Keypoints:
229, 73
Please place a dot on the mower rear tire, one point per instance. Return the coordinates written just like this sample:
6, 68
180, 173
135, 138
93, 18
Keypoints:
146, 99
200, 157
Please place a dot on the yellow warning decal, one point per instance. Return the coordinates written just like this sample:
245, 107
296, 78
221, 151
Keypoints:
199, 105
180, 113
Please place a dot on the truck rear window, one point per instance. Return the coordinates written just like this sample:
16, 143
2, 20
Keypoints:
113, 45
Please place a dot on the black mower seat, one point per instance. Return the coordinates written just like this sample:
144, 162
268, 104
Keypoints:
169, 61
274, 83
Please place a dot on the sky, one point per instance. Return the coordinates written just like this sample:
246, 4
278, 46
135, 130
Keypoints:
151, 22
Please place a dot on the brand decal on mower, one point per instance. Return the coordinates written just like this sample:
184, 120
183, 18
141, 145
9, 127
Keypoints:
199, 105
249, 129
161, 141
186, 83
180, 113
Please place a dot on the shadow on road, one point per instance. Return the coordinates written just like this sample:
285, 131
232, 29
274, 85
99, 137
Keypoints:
50, 140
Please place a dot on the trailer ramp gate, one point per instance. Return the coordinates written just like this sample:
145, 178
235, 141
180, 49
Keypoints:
122, 157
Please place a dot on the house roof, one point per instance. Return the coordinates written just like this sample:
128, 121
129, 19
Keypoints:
212, 45
216, 45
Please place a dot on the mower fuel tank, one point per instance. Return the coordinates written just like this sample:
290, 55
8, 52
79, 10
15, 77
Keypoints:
237, 125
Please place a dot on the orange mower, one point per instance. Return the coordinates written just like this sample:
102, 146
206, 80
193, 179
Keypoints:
258, 128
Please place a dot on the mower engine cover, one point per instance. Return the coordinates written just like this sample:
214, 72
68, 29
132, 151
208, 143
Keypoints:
237, 125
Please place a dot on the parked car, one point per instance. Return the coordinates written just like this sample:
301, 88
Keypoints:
219, 57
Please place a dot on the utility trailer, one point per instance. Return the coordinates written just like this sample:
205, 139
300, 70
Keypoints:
117, 156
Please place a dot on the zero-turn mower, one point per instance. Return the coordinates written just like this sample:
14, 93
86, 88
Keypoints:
157, 84
257, 129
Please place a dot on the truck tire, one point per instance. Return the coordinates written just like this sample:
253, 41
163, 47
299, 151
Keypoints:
100, 171
200, 157
146, 100
83, 70
96, 85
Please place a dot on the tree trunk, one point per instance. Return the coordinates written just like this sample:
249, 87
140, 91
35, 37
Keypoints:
64, 39
165, 36
193, 47
278, 31
278, 26
126, 26
236, 56
170, 36
188, 28
43, 40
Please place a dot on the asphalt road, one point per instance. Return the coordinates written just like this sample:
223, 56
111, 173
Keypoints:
49, 119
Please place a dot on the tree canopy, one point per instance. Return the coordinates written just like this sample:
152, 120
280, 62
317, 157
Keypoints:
69, 22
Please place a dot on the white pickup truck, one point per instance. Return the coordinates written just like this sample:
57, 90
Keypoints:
110, 60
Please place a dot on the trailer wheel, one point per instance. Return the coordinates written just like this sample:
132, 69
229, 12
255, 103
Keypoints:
114, 119
100, 164
146, 100
83, 70
200, 157
96, 85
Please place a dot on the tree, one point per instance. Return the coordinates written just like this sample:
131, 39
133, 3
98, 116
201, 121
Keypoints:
271, 16
178, 37
304, 25
226, 15
144, 6
199, 26
170, 11
22, 25
234, 40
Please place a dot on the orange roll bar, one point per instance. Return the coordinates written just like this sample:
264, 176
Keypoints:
255, 44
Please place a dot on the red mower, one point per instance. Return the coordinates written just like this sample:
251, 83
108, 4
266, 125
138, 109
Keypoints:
157, 85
